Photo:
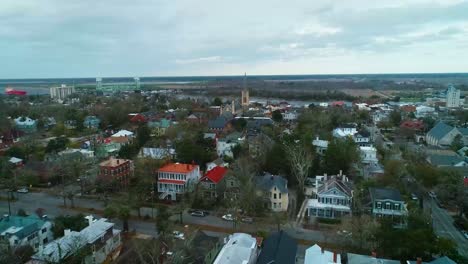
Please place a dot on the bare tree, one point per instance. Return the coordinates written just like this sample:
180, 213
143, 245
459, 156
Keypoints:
301, 160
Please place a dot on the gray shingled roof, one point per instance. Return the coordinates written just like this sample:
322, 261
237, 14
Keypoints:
279, 247
385, 193
440, 130
268, 181
218, 123
444, 160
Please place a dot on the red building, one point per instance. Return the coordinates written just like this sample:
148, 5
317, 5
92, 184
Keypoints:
115, 173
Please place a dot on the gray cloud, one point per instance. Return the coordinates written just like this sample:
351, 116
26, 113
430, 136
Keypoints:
120, 38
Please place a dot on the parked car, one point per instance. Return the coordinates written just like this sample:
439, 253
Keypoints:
432, 194
414, 197
248, 220
178, 235
23, 190
228, 217
198, 214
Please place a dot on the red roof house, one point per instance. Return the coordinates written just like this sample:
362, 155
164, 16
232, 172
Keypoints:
211, 179
413, 124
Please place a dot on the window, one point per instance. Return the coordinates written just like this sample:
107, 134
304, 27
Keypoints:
232, 183
397, 207
279, 205
280, 195
45, 240
274, 196
44, 230
379, 205
274, 205
387, 206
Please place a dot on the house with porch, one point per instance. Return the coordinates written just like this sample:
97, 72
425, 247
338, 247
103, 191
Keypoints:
100, 237
334, 195
387, 202
26, 124
174, 179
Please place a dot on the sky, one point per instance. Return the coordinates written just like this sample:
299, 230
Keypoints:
89, 38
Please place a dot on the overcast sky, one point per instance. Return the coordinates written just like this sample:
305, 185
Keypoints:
90, 38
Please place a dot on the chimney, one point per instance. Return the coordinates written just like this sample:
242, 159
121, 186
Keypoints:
374, 254
90, 219
341, 172
66, 232
334, 257
418, 260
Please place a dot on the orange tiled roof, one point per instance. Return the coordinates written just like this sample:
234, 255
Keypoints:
178, 168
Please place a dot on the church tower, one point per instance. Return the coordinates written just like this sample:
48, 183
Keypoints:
245, 95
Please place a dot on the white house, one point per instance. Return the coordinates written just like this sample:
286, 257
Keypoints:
238, 248
320, 145
26, 230
347, 130
368, 155
176, 178
334, 197
224, 145
317, 255
289, 116
422, 111
100, 236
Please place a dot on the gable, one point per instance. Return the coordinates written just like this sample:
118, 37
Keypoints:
333, 191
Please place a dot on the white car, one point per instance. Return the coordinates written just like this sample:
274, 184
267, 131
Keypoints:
23, 190
432, 194
178, 235
228, 217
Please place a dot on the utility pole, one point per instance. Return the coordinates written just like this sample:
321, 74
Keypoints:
9, 206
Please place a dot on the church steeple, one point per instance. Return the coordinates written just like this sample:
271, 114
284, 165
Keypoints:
245, 94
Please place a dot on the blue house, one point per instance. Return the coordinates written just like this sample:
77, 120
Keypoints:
91, 122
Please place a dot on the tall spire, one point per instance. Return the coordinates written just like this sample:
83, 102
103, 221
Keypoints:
245, 81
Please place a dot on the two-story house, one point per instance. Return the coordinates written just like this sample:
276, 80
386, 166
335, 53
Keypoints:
211, 179
26, 230
274, 189
387, 202
99, 239
26, 124
115, 174
91, 122
320, 145
334, 196
225, 145
176, 178
123, 137
159, 127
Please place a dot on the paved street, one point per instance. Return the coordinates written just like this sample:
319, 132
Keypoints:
443, 226
53, 207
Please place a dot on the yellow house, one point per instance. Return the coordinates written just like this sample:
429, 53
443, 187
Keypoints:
274, 189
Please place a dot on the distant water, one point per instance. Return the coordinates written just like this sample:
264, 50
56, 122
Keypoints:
40, 86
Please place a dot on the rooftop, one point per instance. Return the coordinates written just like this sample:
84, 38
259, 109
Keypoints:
240, 248
385, 193
268, 181
278, 248
20, 226
316, 255
178, 168
112, 162
216, 174
123, 133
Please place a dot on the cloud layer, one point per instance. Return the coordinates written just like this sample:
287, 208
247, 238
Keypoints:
88, 38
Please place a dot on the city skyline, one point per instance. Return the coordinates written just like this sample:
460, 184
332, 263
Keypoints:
85, 39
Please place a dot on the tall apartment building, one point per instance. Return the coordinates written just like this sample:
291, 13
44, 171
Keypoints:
453, 97
62, 92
